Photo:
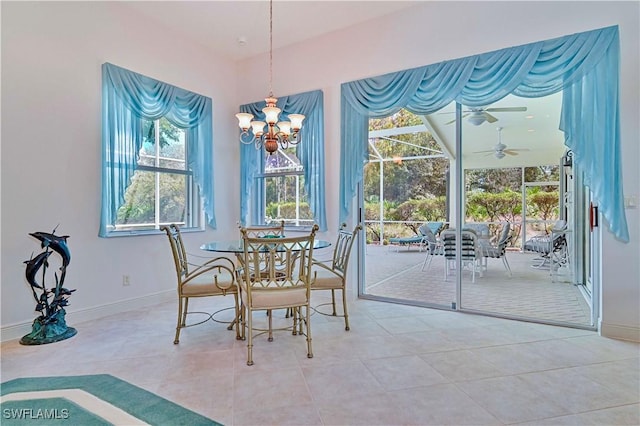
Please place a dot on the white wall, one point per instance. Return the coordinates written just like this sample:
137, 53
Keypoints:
436, 31
50, 174
51, 155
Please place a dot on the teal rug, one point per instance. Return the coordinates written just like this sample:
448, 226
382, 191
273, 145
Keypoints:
88, 400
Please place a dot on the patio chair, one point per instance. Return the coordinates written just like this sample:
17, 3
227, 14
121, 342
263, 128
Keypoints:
547, 245
498, 251
470, 253
434, 247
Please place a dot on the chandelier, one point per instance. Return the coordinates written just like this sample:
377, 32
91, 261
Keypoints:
270, 133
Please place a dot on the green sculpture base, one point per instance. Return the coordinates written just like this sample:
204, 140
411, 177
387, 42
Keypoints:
50, 331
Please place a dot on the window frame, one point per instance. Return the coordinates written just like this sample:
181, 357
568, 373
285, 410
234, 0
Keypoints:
261, 179
193, 221
128, 98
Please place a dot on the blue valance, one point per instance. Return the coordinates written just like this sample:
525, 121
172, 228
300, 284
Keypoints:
584, 66
127, 98
310, 151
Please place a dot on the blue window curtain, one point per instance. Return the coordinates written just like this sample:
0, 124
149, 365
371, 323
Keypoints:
585, 66
310, 151
127, 98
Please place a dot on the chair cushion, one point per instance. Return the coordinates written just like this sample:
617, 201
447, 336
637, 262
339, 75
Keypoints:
325, 279
406, 240
275, 299
204, 284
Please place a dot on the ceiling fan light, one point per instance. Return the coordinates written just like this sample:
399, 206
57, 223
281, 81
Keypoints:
476, 119
499, 155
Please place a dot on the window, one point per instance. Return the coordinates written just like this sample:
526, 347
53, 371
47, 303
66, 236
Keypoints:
157, 155
161, 190
285, 195
289, 184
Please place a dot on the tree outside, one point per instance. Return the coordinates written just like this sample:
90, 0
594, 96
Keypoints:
415, 189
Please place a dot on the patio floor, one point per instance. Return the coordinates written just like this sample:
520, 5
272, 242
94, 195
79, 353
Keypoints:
529, 293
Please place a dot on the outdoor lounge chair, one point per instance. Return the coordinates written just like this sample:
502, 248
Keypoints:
419, 240
552, 248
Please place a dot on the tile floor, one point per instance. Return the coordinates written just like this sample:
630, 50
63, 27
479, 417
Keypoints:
529, 293
399, 365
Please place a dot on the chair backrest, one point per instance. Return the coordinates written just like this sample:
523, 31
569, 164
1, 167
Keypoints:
265, 230
435, 227
505, 235
177, 249
559, 226
481, 229
342, 249
428, 234
276, 264
468, 247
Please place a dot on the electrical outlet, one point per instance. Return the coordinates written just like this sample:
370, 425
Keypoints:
125, 280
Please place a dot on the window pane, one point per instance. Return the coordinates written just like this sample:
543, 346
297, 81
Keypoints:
172, 146
282, 161
173, 198
139, 206
286, 200
171, 154
139, 209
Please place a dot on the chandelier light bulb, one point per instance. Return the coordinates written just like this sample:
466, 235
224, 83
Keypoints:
244, 120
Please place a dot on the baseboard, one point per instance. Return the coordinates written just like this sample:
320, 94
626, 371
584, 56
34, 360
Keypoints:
16, 331
620, 332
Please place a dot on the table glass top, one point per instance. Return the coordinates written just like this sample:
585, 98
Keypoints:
236, 246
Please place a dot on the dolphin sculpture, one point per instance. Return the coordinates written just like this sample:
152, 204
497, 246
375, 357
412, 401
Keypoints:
56, 243
33, 266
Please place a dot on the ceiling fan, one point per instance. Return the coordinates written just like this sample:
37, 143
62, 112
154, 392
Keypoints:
478, 115
500, 150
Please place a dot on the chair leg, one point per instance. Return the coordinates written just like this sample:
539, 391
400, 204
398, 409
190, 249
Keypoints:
506, 265
333, 301
243, 321
344, 309
250, 338
270, 315
238, 317
427, 260
182, 313
308, 321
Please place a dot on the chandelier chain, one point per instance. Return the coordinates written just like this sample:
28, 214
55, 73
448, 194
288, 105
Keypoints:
270, 133
271, 48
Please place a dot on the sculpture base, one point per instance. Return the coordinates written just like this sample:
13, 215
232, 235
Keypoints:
28, 340
53, 330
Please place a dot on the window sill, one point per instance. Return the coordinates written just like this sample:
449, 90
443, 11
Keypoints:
143, 232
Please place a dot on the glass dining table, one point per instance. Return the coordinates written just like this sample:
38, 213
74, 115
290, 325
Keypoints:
237, 246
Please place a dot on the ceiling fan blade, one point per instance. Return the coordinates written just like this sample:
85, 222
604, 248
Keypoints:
482, 152
490, 118
454, 120
506, 109
510, 151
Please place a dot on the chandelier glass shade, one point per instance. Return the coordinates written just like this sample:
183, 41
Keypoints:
270, 133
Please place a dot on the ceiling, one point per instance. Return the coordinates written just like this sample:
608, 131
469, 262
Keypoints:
218, 26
